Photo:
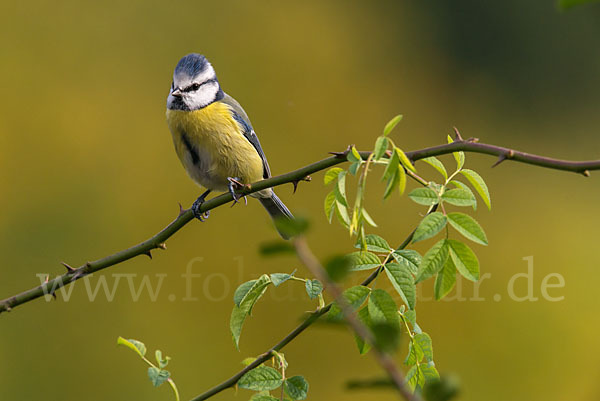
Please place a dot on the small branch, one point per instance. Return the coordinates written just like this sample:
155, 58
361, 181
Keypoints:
313, 317
385, 361
185, 216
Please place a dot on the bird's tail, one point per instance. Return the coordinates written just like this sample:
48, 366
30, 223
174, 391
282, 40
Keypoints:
276, 209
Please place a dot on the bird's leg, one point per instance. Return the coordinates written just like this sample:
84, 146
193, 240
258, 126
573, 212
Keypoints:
197, 204
233, 184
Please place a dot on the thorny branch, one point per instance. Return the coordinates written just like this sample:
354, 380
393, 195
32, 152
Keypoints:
185, 216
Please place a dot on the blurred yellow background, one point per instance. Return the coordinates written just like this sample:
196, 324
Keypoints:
87, 168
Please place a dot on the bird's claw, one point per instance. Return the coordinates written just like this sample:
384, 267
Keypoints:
197, 205
233, 184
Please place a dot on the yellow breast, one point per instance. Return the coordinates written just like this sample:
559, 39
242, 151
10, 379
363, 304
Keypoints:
211, 146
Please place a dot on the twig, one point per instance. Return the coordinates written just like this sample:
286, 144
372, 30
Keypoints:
185, 216
313, 317
385, 361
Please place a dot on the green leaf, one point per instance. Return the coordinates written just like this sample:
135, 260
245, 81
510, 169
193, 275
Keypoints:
412, 377
263, 397
332, 175
275, 248
355, 296
464, 186
342, 214
458, 197
382, 308
241, 292
393, 182
381, 146
424, 342
430, 226
157, 376
353, 156
384, 320
248, 361
261, 378
468, 226
296, 387
340, 189
433, 261
363, 260
329, 205
436, 164
338, 267
445, 280
479, 184
405, 160
458, 156
415, 354
162, 362
464, 259
387, 336
280, 278
391, 124
375, 243
365, 319
424, 196
291, 227
566, 4
403, 282
401, 180
411, 316
313, 288
239, 312
353, 169
137, 346
367, 217
430, 372
408, 257
392, 167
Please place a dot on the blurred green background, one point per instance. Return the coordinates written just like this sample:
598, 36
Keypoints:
87, 168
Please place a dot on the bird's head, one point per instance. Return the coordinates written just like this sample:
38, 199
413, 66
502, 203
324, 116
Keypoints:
195, 84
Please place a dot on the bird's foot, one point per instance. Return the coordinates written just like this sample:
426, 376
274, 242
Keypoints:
196, 207
234, 184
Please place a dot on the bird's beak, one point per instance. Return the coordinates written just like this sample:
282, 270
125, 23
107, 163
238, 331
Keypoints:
177, 92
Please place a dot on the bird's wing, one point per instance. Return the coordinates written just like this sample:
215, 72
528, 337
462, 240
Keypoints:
241, 117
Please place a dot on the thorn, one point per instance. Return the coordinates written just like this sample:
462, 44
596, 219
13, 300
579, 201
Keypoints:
504, 156
342, 154
162, 246
46, 282
149, 254
308, 178
181, 210
473, 139
458, 136
586, 173
69, 268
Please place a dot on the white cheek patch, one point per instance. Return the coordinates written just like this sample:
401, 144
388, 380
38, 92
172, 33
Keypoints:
203, 96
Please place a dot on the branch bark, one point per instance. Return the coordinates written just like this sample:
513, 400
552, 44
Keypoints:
158, 241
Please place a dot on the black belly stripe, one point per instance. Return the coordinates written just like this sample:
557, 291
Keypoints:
190, 148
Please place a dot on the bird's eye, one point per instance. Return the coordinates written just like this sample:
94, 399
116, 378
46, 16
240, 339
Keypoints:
194, 87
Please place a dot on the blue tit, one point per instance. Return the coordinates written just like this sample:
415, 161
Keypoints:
214, 138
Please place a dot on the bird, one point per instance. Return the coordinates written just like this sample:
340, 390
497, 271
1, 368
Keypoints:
214, 138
